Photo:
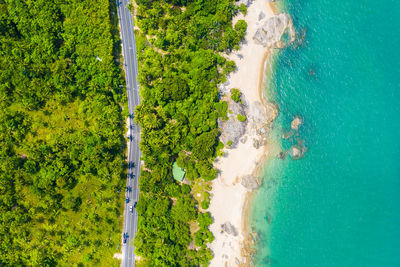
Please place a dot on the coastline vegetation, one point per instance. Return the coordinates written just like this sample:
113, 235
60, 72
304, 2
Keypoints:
61, 133
241, 117
236, 95
179, 46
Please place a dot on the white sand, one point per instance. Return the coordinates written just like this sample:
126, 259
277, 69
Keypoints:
228, 195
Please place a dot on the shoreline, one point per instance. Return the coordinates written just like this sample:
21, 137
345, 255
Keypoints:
231, 249
261, 81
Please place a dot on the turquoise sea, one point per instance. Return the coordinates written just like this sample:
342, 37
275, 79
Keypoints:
340, 204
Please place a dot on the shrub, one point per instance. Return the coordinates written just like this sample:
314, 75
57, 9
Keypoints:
236, 95
205, 204
241, 27
229, 67
222, 109
241, 117
206, 201
185, 189
243, 9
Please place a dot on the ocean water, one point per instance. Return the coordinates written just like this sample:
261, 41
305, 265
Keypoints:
339, 205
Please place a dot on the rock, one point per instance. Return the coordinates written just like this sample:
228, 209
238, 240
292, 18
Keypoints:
297, 151
287, 135
261, 15
296, 123
256, 143
281, 155
222, 89
237, 261
232, 129
271, 32
229, 229
265, 141
250, 182
272, 111
243, 139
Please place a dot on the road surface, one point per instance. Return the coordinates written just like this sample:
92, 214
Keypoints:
132, 87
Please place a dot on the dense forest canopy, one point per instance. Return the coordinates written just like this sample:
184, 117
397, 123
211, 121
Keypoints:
180, 46
61, 139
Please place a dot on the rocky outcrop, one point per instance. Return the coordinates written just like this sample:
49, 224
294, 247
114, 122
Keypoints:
260, 122
271, 32
250, 182
297, 151
223, 87
296, 123
232, 129
271, 110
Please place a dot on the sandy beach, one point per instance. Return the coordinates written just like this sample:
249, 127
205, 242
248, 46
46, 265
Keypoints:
229, 197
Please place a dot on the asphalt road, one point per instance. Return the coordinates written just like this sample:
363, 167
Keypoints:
132, 87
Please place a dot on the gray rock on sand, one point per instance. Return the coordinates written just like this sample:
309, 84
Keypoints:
222, 89
261, 15
229, 229
271, 32
232, 129
250, 182
243, 140
256, 143
237, 261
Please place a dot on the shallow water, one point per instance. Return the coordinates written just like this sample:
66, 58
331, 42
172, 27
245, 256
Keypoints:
340, 204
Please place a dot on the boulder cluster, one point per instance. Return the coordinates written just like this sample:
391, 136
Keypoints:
228, 228
232, 129
250, 182
272, 29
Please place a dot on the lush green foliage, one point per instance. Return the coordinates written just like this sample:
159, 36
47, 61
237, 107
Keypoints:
243, 8
206, 201
61, 142
236, 95
241, 117
203, 235
179, 72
